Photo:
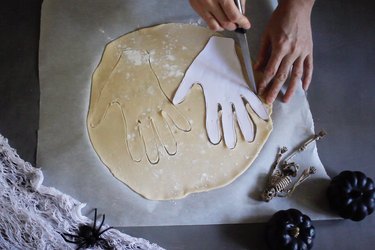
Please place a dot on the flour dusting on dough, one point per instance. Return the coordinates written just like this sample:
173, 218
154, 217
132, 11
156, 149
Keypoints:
151, 90
136, 57
170, 57
172, 71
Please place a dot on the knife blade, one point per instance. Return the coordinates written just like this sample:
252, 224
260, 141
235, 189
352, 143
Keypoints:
244, 45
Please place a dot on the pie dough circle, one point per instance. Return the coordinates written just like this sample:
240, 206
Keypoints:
198, 165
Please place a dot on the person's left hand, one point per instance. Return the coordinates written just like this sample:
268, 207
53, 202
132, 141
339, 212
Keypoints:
286, 43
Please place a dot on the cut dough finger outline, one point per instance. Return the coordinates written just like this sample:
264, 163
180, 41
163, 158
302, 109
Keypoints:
145, 119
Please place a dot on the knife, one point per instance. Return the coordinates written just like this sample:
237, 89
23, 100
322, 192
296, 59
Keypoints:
244, 45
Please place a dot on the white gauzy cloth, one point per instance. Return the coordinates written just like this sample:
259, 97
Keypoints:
217, 70
33, 216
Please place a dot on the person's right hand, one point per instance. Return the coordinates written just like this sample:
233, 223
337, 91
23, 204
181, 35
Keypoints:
221, 14
286, 46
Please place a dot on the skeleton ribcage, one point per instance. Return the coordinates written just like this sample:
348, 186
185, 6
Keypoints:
280, 183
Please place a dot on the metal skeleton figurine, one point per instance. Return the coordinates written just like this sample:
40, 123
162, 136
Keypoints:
281, 177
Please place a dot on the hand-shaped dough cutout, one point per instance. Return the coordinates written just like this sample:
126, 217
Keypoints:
217, 70
144, 107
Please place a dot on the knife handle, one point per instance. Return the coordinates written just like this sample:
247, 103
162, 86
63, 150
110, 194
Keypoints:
239, 6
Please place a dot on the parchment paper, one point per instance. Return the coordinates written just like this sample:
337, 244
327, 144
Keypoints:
73, 36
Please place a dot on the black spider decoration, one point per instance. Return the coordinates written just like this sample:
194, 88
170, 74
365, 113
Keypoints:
89, 236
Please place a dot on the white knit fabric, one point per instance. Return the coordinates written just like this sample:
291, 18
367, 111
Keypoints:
33, 216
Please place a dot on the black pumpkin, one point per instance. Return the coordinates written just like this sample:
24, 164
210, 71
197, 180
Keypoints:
290, 229
352, 195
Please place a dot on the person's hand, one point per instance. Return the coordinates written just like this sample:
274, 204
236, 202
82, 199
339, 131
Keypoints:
218, 71
286, 46
221, 14
142, 105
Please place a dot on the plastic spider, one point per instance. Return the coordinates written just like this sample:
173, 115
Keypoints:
89, 236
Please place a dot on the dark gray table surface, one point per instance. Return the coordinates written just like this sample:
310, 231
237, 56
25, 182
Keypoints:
341, 98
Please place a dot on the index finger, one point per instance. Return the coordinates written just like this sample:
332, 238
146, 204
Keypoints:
271, 69
234, 15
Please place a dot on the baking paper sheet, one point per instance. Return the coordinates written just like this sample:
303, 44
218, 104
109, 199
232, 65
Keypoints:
73, 36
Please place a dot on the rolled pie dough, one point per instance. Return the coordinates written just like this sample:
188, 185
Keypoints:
159, 150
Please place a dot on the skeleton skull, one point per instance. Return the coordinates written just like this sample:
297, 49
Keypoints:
268, 194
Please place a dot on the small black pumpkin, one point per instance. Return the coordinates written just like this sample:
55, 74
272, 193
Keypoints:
352, 195
290, 229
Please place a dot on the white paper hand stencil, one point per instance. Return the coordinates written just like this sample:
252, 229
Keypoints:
144, 107
217, 70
